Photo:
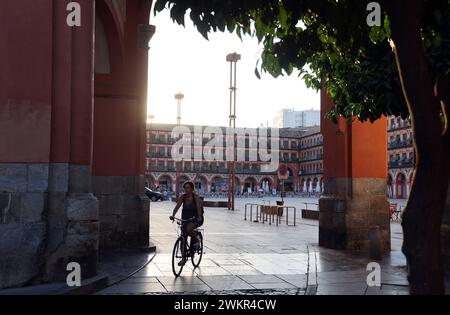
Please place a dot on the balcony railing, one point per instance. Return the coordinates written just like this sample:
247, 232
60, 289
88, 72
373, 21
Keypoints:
401, 163
400, 144
396, 126
306, 146
313, 158
312, 172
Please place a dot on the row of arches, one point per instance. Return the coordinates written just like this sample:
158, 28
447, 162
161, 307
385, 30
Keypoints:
399, 185
311, 185
218, 183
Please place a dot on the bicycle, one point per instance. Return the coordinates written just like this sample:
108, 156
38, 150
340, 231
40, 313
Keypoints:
182, 250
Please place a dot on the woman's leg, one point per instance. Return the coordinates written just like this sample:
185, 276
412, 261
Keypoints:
190, 229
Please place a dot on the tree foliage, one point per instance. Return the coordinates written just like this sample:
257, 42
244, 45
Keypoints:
329, 41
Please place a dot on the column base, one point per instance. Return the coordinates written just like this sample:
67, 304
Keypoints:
73, 235
349, 213
124, 211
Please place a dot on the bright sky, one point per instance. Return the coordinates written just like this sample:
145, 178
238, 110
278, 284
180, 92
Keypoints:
181, 60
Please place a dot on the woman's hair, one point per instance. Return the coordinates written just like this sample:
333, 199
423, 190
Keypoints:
191, 184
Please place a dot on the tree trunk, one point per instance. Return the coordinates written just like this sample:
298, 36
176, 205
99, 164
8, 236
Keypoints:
442, 90
422, 218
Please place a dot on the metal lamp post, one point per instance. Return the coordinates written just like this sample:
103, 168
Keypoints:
232, 59
179, 97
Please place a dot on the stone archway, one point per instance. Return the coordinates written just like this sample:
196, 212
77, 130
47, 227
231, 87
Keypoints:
250, 184
218, 184
315, 184
85, 129
165, 183
309, 185
390, 186
401, 186
266, 184
201, 184
120, 97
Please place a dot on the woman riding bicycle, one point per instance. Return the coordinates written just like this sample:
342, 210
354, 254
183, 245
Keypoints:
192, 209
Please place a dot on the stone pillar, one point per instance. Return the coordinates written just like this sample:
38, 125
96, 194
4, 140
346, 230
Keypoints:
48, 216
355, 170
120, 127
73, 220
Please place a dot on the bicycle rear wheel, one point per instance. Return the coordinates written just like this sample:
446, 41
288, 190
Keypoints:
196, 256
177, 256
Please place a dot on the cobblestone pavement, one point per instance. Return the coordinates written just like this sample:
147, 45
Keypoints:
244, 257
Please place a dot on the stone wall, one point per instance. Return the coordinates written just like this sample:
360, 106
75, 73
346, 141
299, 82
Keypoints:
44, 225
124, 211
23, 203
349, 210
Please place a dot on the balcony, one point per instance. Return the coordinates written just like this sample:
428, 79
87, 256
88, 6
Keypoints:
158, 168
397, 126
396, 144
317, 171
313, 158
171, 168
409, 162
312, 145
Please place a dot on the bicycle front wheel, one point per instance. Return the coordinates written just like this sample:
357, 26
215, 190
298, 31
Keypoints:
196, 256
177, 257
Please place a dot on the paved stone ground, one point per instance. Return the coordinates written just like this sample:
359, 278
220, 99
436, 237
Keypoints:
243, 257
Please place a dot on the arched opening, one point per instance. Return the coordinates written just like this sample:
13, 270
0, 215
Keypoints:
309, 187
250, 185
165, 183
315, 184
266, 184
390, 187
181, 180
303, 185
201, 184
401, 186
218, 184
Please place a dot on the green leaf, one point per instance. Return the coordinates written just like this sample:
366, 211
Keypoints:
160, 5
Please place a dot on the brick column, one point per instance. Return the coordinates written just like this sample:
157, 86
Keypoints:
354, 200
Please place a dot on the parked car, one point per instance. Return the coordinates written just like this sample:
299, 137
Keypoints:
153, 195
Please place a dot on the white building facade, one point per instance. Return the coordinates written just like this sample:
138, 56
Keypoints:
289, 118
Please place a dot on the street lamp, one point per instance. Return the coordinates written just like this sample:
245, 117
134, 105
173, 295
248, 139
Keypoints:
179, 97
232, 59
149, 137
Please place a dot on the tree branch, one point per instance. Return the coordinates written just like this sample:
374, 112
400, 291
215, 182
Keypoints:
442, 91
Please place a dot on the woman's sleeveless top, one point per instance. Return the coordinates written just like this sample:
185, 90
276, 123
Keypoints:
189, 210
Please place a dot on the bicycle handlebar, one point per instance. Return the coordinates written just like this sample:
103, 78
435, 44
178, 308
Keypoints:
183, 220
